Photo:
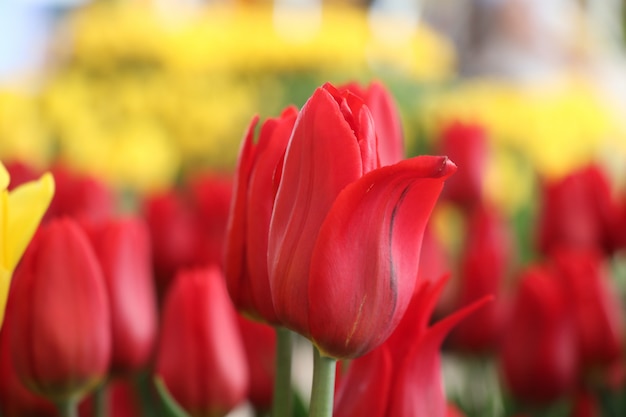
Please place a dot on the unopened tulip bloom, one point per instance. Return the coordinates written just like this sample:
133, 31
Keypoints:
210, 196
21, 210
188, 225
60, 332
171, 222
259, 341
15, 399
485, 262
467, 145
345, 233
80, 196
538, 355
256, 181
594, 305
579, 211
123, 250
200, 355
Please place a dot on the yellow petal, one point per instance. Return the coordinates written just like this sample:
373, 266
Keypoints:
4, 213
4, 177
27, 205
5, 283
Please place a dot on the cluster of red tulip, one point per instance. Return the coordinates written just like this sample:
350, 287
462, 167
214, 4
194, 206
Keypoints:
556, 326
319, 232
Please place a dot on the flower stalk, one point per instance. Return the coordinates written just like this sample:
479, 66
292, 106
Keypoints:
282, 401
68, 408
323, 389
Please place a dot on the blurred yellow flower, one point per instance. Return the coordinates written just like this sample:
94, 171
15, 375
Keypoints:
21, 211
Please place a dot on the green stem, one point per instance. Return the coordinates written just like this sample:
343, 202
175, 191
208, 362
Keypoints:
101, 400
323, 388
68, 408
281, 403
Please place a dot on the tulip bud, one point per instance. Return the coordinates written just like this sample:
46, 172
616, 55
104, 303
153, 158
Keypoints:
210, 196
60, 332
579, 211
259, 341
200, 354
122, 247
485, 262
467, 146
15, 399
256, 181
594, 306
538, 356
188, 226
173, 235
80, 197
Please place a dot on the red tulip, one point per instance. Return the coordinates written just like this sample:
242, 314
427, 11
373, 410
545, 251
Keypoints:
256, 181
467, 146
80, 197
485, 262
200, 356
402, 377
579, 211
123, 249
173, 235
595, 307
259, 341
386, 119
345, 236
61, 331
210, 195
538, 354
15, 399
188, 226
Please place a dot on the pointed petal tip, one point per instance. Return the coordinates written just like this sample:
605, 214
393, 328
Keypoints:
447, 167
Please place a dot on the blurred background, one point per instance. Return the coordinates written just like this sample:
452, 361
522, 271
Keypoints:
141, 92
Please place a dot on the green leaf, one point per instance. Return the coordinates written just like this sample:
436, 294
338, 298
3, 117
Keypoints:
171, 407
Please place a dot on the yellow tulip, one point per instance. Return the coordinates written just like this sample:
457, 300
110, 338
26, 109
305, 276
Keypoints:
21, 211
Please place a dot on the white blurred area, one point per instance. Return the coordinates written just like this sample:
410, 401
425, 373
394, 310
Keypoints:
26, 29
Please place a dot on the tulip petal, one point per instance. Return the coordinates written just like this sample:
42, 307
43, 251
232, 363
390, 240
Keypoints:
322, 157
419, 389
365, 389
27, 205
364, 265
235, 271
388, 124
261, 193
